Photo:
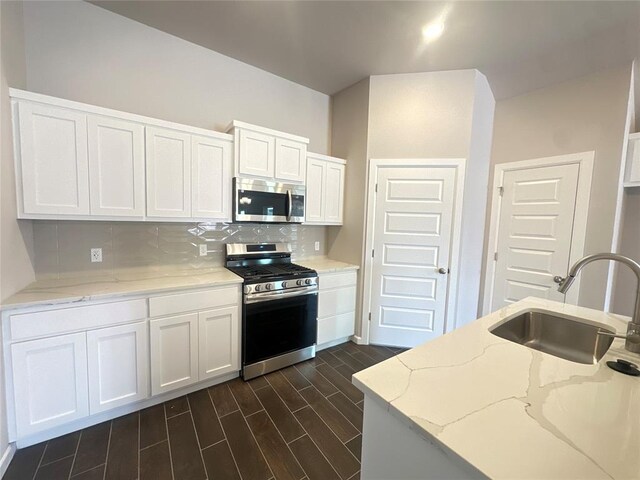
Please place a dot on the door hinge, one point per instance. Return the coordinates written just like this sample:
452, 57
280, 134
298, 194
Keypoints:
500, 190
376, 189
373, 253
369, 316
495, 256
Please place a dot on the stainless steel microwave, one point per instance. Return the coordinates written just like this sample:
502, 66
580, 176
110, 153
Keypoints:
261, 201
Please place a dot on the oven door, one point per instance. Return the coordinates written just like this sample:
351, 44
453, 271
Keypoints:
279, 324
271, 202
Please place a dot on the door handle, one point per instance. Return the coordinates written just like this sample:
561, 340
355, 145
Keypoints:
558, 279
289, 205
443, 271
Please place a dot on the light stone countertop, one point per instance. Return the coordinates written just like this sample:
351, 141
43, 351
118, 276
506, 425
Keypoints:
326, 265
514, 412
79, 289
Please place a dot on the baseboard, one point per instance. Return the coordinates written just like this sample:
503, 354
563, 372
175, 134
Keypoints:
7, 456
358, 340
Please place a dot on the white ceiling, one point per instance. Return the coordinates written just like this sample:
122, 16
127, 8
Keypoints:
329, 45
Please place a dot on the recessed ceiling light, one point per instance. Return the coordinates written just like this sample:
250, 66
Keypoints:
432, 31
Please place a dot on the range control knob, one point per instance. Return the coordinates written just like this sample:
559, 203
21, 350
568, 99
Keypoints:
299, 282
308, 281
285, 284
269, 286
258, 288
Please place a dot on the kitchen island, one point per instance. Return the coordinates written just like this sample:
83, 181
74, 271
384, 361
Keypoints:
473, 405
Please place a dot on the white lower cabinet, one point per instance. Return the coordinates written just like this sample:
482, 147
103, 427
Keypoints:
99, 357
218, 342
118, 361
49, 382
174, 352
336, 306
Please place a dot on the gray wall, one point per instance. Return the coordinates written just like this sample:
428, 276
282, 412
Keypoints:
441, 115
16, 269
421, 115
82, 52
585, 114
350, 123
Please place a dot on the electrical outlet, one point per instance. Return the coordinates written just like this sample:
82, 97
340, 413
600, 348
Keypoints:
203, 249
96, 255
317, 246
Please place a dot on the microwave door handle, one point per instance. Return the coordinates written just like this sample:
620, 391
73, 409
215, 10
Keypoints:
289, 205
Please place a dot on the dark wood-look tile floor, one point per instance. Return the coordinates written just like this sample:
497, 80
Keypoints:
301, 423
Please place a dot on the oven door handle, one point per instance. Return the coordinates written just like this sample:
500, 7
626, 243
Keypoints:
267, 297
289, 205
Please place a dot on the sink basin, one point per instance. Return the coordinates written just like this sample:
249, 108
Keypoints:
558, 336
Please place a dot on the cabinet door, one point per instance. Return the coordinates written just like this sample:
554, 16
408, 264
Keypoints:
116, 167
256, 154
53, 167
291, 160
219, 342
50, 382
168, 173
118, 366
211, 178
174, 352
314, 201
334, 193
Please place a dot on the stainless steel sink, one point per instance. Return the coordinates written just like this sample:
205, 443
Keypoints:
569, 339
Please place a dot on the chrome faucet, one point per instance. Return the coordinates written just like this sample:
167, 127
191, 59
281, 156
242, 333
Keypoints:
632, 336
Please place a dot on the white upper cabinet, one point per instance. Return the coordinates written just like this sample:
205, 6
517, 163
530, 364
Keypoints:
168, 173
316, 170
256, 154
268, 154
291, 160
325, 190
632, 174
52, 162
116, 167
82, 162
334, 193
211, 173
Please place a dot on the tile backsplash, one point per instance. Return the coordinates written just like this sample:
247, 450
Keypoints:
62, 248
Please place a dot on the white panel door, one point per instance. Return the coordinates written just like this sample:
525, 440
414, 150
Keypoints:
211, 178
412, 234
174, 352
291, 160
50, 382
168, 173
116, 166
219, 341
118, 366
334, 193
314, 196
256, 155
534, 232
53, 155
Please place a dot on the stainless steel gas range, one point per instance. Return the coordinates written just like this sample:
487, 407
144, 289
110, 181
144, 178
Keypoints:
280, 307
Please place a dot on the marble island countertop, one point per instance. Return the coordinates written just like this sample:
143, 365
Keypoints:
513, 412
143, 282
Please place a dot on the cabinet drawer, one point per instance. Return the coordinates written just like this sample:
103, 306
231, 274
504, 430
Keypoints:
336, 302
335, 280
187, 302
336, 327
53, 322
